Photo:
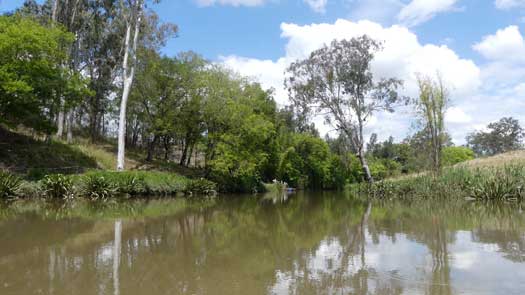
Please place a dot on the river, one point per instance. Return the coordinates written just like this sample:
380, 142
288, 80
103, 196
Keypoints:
307, 243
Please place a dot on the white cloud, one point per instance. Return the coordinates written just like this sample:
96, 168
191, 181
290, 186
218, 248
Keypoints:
268, 73
235, 3
457, 115
505, 45
402, 57
508, 4
419, 11
317, 5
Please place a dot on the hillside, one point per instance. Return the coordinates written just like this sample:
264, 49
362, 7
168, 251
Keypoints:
510, 158
29, 156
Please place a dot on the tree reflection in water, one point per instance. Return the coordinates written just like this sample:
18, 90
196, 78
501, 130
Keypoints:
316, 244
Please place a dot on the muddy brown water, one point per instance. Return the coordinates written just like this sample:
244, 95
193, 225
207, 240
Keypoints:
323, 243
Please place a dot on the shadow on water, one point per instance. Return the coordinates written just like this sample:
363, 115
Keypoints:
320, 243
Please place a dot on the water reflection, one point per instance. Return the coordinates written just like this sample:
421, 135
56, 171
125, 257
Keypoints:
315, 244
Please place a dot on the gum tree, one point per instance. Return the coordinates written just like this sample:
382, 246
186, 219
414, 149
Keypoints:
132, 14
431, 106
337, 82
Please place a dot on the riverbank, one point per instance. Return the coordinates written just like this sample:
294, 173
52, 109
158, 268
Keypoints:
30, 167
501, 177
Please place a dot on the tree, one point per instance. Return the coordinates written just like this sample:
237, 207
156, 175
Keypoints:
431, 106
502, 136
337, 81
30, 72
95, 52
132, 18
418, 147
453, 155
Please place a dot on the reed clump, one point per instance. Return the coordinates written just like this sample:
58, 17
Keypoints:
9, 185
496, 183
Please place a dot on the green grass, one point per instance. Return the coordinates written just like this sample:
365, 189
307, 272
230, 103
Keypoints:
495, 183
48, 167
105, 185
33, 159
9, 185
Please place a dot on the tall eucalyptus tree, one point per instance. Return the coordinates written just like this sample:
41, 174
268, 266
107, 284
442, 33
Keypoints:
337, 81
132, 14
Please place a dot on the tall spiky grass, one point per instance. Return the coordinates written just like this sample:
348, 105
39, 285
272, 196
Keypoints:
498, 183
9, 185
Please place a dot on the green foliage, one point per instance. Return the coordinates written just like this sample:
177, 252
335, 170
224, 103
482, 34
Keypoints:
9, 185
431, 106
502, 136
57, 186
30, 71
308, 163
30, 189
98, 187
501, 184
488, 184
201, 186
242, 151
142, 183
384, 168
132, 185
456, 154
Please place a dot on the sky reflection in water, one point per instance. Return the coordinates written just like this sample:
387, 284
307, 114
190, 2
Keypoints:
308, 244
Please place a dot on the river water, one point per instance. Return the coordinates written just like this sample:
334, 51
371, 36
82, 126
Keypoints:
324, 243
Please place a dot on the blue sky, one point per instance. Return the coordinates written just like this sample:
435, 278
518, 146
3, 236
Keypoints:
477, 45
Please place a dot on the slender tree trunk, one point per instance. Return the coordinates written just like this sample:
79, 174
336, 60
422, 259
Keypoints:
188, 162
135, 133
60, 121
166, 148
357, 140
69, 121
151, 148
184, 152
128, 75
364, 164
55, 10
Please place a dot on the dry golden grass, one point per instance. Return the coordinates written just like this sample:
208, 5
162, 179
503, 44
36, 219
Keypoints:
505, 159
510, 158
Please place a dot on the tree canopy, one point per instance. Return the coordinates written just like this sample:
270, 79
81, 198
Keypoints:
501, 136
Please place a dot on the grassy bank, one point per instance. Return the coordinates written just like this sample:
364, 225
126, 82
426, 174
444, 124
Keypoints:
32, 168
483, 182
103, 185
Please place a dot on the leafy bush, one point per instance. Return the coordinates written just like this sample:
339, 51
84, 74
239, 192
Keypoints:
9, 185
57, 186
201, 186
97, 187
132, 185
456, 154
29, 189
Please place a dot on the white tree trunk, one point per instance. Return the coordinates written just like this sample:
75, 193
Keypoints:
121, 156
127, 78
60, 123
69, 126
54, 12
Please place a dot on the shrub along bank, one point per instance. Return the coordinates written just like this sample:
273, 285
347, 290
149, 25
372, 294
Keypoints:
488, 183
103, 185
